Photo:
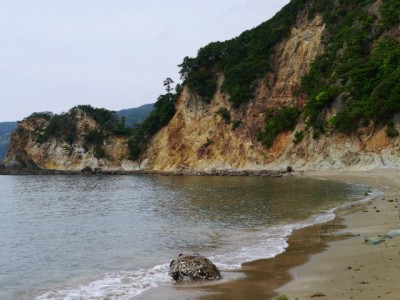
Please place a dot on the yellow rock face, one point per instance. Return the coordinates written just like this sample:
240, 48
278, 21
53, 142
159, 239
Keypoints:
197, 139
56, 154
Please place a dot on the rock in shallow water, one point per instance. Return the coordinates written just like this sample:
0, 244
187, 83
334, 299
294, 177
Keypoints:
193, 268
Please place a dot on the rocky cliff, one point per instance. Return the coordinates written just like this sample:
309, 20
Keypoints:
28, 151
337, 64
199, 139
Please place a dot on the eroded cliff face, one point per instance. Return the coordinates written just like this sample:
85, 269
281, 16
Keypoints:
57, 154
199, 139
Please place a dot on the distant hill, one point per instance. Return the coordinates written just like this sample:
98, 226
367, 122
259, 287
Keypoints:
135, 115
5, 133
132, 115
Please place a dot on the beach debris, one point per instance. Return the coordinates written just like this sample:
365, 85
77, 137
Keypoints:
286, 297
374, 240
193, 267
319, 294
392, 233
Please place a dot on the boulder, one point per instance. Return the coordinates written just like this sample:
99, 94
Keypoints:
87, 171
193, 268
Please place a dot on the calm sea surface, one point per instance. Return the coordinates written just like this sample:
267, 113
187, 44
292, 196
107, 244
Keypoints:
97, 237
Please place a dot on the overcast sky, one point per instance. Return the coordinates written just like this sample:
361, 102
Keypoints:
113, 54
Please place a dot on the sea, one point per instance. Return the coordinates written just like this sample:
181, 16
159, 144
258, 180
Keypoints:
113, 237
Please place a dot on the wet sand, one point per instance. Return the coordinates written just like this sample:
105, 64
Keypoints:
331, 260
350, 268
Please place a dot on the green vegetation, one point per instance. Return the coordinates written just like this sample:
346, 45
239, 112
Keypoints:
164, 110
94, 137
390, 14
108, 120
61, 126
207, 143
236, 124
277, 121
224, 113
47, 115
64, 126
242, 60
391, 130
360, 66
298, 137
359, 72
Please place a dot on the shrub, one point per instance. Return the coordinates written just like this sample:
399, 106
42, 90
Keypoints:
98, 152
359, 66
236, 124
224, 113
37, 115
61, 126
277, 121
391, 130
298, 137
107, 120
94, 137
207, 143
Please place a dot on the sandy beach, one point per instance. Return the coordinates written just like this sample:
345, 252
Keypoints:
325, 261
350, 268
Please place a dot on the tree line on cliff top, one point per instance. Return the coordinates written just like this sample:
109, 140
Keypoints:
360, 66
64, 126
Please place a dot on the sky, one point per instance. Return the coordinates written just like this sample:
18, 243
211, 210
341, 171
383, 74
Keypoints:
112, 54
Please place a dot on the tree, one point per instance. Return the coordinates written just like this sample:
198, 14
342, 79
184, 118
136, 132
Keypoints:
167, 83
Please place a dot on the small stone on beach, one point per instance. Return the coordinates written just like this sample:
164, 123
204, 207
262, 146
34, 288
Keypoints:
319, 294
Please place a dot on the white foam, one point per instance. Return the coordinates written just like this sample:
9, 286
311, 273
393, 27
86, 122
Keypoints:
121, 286
127, 285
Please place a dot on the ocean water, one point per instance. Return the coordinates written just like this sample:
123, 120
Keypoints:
112, 237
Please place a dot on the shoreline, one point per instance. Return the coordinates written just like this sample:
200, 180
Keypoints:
329, 260
15, 171
351, 268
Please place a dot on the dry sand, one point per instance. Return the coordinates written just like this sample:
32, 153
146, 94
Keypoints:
350, 268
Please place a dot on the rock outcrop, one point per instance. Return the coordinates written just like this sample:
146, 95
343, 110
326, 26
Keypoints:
193, 268
27, 153
199, 140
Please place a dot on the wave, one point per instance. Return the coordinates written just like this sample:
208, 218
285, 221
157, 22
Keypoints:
127, 285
